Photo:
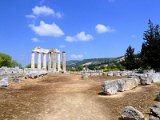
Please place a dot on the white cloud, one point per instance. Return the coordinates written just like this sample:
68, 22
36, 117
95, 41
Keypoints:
100, 28
77, 56
42, 10
82, 36
45, 29
45, 11
35, 39
62, 46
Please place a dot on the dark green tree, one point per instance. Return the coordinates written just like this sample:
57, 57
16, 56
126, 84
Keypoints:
29, 65
129, 61
79, 68
150, 52
5, 60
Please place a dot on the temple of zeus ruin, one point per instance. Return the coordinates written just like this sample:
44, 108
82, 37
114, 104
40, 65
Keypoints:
51, 59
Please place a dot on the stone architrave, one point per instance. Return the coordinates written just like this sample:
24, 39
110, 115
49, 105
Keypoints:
33, 60
39, 60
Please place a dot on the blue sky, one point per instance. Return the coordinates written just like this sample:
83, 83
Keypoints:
83, 28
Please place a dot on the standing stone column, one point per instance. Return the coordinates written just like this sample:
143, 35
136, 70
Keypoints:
59, 62
33, 60
54, 61
44, 61
39, 60
49, 61
64, 61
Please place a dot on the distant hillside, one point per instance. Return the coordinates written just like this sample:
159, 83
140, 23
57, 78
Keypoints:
93, 61
72, 62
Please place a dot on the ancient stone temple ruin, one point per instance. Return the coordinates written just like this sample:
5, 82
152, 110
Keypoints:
51, 59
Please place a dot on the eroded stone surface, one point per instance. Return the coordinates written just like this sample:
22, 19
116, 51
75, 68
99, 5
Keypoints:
130, 113
113, 86
155, 110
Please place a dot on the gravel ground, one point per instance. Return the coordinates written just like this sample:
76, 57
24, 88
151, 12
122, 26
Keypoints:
68, 97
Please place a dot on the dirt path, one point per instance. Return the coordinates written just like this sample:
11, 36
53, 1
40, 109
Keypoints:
55, 97
68, 97
73, 102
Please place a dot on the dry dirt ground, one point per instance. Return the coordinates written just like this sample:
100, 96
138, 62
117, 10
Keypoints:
68, 97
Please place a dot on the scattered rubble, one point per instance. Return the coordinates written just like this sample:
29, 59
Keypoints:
16, 74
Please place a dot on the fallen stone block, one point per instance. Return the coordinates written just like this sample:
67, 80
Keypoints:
116, 73
130, 83
153, 118
110, 87
158, 97
17, 79
130, 113
155, 110
110, 74
123, 73
4, 82
154, 77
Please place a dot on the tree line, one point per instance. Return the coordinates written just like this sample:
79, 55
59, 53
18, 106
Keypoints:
6, 61
149, 56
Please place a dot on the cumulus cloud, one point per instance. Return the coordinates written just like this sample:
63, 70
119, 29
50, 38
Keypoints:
100, 28
77, 56
45, 29
35, 39
44, 11
82, 36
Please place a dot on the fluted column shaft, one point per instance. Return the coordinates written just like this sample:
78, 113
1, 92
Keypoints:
44, 61
39, 60
64, 61
49, 61
33, 60
54, 61
59, 62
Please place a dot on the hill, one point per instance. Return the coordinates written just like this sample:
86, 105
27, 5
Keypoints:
94, 63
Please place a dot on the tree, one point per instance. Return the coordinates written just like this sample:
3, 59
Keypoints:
150, 52
15, 63
79, 68
29, 65
129, 61
5, 60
